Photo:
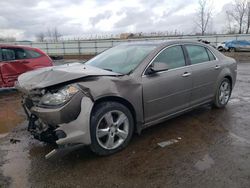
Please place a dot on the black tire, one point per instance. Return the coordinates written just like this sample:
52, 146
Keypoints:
100, 110
220, 48
232, 50
217, 101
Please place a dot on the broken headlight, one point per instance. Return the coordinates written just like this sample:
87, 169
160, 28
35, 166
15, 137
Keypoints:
59, 97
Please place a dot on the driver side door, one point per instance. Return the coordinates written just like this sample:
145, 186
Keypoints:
167, 92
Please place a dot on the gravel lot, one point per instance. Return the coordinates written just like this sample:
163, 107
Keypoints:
212, 149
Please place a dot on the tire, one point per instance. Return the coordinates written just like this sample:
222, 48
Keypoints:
223, 93
111, 128
220, 48
232, 50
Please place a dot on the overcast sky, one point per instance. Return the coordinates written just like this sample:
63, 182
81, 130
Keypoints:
23, 19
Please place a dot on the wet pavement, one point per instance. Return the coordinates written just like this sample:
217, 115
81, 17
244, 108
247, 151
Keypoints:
203, 148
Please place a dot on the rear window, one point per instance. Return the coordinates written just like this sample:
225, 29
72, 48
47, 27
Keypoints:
211, 56
32, 54
197, 54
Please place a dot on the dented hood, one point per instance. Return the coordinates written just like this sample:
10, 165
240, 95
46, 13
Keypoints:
50, 76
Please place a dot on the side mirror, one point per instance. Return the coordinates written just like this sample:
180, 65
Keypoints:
156, 67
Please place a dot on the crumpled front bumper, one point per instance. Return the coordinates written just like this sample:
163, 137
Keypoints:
71, 120
77, 131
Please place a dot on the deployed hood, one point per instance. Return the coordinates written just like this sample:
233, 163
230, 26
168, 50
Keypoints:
50, 76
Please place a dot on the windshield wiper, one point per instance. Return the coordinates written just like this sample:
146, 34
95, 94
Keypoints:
113, 71
109, 70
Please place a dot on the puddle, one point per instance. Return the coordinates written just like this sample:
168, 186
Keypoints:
16, 160
11, 113
234, 100
168, 142
239, 140
246, 98
16, 163
205, 163
3, 135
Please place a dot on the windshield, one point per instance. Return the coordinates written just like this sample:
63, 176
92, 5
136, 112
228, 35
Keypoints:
122, 59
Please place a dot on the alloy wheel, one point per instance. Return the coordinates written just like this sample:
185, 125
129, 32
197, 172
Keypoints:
224, 93
112, 129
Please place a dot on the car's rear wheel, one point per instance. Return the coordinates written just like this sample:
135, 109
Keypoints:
223, 93
111, 128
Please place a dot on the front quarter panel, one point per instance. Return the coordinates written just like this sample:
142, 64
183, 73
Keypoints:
124, 87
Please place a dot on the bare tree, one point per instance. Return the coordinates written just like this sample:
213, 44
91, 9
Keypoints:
56, 34
204, 14
238, 13
230, 28
40, 37
49, 34
53, 34
248, 17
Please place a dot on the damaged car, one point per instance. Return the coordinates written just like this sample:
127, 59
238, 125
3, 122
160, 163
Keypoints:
15, 60
123, 90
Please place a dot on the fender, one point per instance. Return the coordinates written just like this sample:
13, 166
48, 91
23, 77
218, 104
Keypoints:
225, 72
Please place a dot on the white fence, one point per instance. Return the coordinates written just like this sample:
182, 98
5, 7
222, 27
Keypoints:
92, 47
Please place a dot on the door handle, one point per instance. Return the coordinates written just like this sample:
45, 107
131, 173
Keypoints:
186, 74
217, 67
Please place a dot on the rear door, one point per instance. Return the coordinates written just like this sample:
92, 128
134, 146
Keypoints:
205, 70
241, 45
167, 92
36, 58
246, 45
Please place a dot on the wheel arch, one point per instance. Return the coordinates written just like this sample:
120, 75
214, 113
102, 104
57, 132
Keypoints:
230, 79
226, 72
122, 101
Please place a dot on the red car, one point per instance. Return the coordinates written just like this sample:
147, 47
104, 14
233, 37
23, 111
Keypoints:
15, 60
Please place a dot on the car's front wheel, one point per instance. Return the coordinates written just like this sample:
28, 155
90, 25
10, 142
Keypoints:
220, 48
111, 128
232, 49
223, 93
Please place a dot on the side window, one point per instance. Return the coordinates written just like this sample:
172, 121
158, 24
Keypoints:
8, 54
1, 57
20, 53
197, 54
172, 56
32, 54
211, 56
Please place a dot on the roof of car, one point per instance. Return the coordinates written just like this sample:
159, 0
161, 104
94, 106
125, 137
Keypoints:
162, 42
149, 42
14, 46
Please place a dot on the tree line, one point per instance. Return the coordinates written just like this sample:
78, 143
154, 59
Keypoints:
237, 17
51, 35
